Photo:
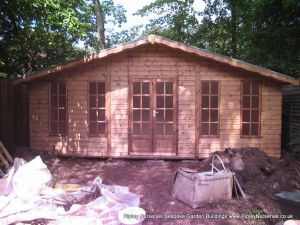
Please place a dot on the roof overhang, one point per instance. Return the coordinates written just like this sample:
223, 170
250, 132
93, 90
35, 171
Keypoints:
153, 39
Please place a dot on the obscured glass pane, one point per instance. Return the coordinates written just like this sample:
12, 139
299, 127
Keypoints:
146, 88
101, 115
254, 129
159, 115
136, 129
62, 101
62, 115
136, 115
254, 116
93, 88
255, 102
168, 128
136, 88
101, 128
205, 115
205, 87
54, 102
214, 102
54, 89
205, 102
169, 102
255, 88
214, 116
136, 101
93, 128
245, 129
62, 88
160, 87
246, 87
160, 102
169, 115
62, 127
160, 128
101, 101
204, 129
246, 115
213, 129
93, 115
214, 87
54, 114
169, 88
146, 102
145, 129
246, 102
145, 115
101, 88
93, 103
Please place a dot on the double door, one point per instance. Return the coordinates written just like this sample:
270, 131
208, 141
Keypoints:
152, 123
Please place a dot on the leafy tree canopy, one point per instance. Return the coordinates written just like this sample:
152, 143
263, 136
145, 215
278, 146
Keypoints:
35, 34
175, 19
262, 32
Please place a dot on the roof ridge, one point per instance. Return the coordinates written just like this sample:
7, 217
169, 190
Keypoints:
155, 39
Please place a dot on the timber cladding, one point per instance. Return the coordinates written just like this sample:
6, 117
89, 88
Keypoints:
168, 114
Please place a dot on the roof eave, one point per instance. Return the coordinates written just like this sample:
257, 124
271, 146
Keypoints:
153, 39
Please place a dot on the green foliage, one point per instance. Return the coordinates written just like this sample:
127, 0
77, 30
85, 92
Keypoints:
274, 35
123, 36
266, 32
114, 14
3, 75
37, 34
175, 19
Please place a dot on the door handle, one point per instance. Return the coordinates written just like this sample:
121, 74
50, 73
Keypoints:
154, 113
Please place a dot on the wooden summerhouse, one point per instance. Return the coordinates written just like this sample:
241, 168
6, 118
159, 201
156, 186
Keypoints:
155, 97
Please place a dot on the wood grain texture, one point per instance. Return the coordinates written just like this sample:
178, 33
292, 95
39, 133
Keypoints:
150, 62
154, 40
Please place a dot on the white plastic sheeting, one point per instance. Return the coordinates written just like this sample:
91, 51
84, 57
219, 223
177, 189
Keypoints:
30, 178
25, 195
6, 185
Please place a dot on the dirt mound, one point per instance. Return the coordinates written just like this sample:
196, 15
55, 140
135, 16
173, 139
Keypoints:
258, 172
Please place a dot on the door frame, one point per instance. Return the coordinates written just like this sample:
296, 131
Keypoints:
153, 82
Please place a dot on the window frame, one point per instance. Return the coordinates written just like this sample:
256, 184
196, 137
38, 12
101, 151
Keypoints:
209, 109
97, 134
50, 132
250, 109
140, 108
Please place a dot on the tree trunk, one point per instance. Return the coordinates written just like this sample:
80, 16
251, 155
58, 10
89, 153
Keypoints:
100, 24
233, 28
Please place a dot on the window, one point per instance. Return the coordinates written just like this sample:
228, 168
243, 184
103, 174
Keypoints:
141, 108
250, 109
58, 108
164, 108
209, 119
96, 108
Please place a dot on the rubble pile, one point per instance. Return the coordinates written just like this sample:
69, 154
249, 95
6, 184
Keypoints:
255, 169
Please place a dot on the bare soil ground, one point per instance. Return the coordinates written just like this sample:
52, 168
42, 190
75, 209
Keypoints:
261, 177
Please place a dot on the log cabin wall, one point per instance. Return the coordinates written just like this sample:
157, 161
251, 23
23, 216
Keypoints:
230, 112
153, 62
77, 142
